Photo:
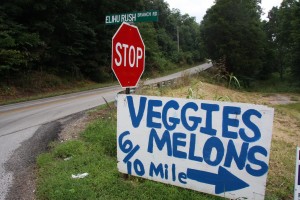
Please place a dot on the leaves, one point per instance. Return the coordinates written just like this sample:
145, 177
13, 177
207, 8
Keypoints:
70, 38
283, 31
232, 30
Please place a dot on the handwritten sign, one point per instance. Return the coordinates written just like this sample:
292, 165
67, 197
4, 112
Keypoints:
297, 176
213, 147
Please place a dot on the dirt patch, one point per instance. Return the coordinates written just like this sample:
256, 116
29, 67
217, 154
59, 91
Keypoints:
286, 127
72, 129
280, 99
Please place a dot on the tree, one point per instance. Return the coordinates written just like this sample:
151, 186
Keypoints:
20, 49
279, 28
283, 31
231, 29
296, 42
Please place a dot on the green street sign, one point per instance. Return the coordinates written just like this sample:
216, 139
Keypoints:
145, 16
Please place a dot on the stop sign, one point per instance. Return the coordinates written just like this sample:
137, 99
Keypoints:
128, 55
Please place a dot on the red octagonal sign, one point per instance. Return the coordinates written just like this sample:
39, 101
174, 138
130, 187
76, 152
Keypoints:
128, 55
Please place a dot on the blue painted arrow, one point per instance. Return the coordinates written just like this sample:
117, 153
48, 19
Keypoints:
224, 180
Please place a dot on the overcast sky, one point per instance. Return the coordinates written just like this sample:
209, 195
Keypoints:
197, 8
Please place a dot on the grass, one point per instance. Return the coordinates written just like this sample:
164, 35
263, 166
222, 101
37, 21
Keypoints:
21, 95
293, 109
280, 182
272, 85
275, 85
95, 153
42, 85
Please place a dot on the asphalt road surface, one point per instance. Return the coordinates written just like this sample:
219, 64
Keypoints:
23, 126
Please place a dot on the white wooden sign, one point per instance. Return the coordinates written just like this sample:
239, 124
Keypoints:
214, 147
297, 175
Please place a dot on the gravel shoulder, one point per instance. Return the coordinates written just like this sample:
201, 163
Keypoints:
23, 161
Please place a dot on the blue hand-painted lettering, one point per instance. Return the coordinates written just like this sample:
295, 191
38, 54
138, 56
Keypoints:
136, 118
233, 122
253, 160
209, 108
163, 171
174, 121
156, 170
224, 181
247, 121
210, 144
232, 154
177, 142
192, 155
153, 114
196, 120
160, 143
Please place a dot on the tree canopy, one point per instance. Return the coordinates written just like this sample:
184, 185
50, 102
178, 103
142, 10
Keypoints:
231, 29
70, 38
283, 35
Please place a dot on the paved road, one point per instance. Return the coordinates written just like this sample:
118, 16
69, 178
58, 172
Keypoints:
19, 122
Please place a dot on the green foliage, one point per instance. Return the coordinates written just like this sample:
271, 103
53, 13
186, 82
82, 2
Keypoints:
232, 30
68, 149
191, 94
221, 98
18, 47
6, 40
103, 137
195, 93
295, 34
11, 59
70, 39
283, 31
233, 81
275, 85
222, 75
